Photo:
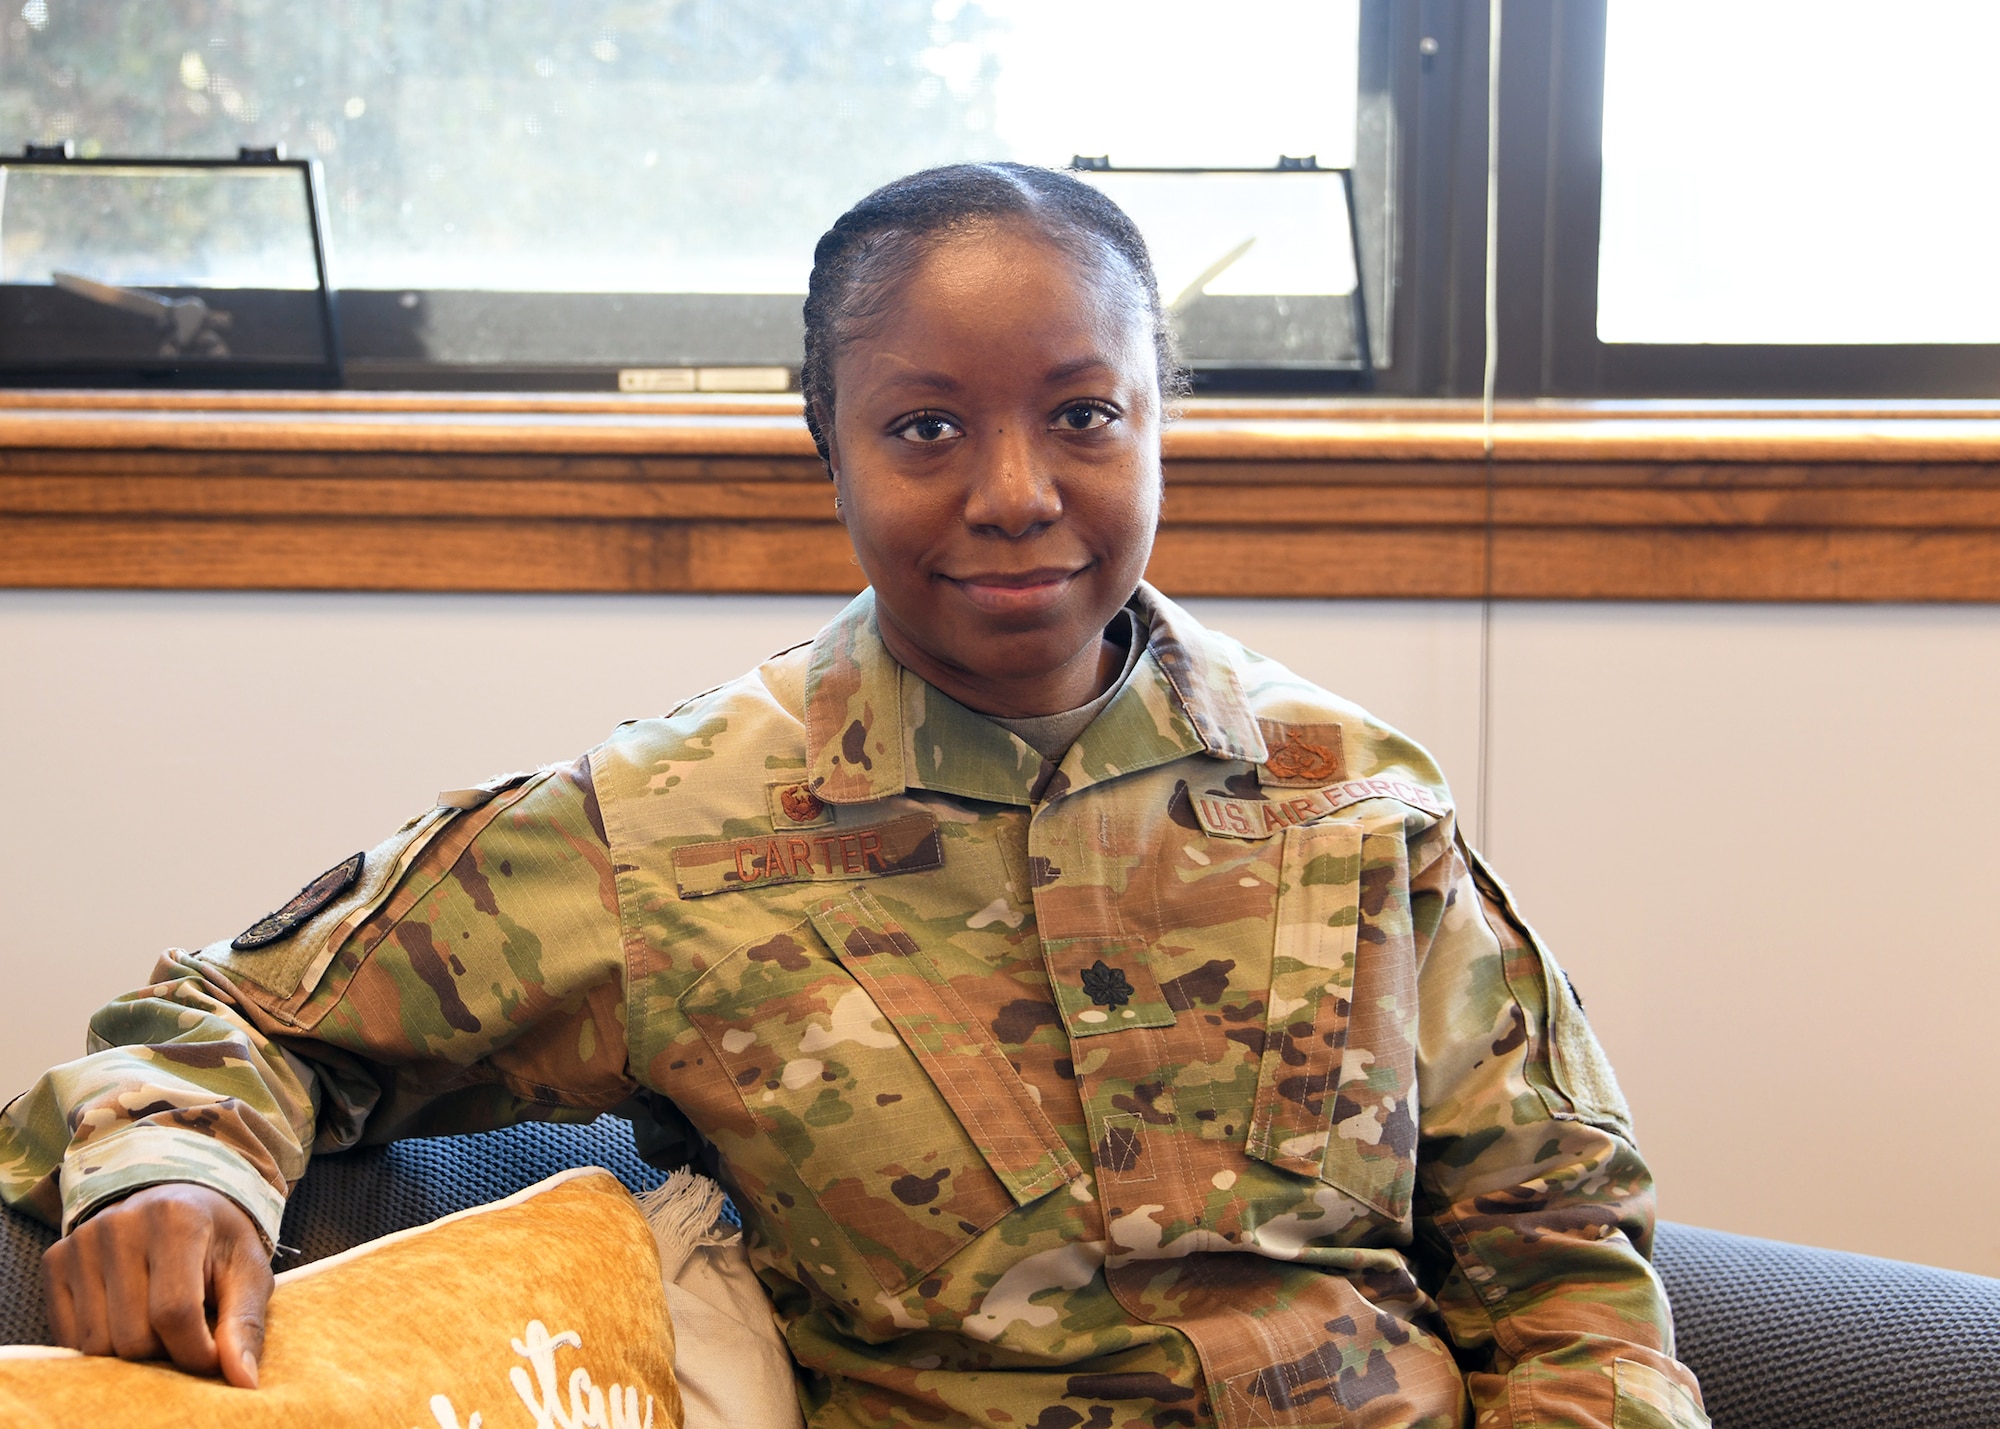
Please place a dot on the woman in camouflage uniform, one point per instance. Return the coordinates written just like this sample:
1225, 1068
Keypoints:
1096, 1023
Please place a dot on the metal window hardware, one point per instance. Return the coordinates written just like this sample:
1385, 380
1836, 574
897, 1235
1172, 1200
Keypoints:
82, 323
1364, 365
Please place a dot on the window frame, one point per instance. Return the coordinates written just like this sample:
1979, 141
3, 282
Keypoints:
1421, 136
1551, 184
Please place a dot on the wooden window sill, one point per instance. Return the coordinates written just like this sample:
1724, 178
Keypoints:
374, 491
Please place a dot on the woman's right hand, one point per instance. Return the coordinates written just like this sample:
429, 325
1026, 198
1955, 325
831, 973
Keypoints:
140, 1278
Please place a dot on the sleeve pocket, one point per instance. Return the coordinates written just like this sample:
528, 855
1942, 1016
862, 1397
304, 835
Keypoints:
1578, 1080
285, 974
1649, 1399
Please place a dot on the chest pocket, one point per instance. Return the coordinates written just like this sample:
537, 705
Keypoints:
1336, 1085
859, 1063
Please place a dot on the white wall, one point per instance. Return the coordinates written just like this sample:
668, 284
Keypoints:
1755, 835
1762, 838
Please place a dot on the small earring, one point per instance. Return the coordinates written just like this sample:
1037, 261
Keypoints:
836, 503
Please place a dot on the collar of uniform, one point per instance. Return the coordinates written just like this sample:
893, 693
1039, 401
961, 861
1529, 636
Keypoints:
1180, 700
873, 729
854, 710
955, 750
1207, 691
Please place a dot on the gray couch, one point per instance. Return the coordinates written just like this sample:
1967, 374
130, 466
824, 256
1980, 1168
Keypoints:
1783, 1337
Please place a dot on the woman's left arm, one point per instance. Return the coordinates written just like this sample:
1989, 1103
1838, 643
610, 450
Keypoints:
1533, 1201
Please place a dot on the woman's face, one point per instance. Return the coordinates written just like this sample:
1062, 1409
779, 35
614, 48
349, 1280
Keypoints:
996, 448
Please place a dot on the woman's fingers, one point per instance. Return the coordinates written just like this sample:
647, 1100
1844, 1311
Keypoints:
59, 1295
137, 1278
81, 1269
119, 1249
176, 1296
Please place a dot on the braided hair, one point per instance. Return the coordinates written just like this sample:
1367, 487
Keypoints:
871, 248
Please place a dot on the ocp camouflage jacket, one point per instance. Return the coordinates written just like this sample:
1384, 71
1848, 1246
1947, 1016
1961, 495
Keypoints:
1206, 1077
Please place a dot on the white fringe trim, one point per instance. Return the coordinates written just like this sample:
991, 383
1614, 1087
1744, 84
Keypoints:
685, 1213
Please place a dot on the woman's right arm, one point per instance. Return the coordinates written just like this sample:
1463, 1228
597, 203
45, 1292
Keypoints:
471, 976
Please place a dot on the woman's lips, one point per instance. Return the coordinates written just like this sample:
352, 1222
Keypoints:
1016, 592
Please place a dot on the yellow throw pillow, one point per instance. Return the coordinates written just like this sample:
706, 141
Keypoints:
543, 1310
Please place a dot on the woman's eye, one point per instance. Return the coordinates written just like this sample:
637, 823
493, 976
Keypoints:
1082, 417
926, 429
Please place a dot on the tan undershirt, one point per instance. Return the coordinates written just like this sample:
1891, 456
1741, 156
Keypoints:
1051, 735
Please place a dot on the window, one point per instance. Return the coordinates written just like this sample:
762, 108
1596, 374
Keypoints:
1757, 198
535, 192
1787, 173
1256, 267
128, 272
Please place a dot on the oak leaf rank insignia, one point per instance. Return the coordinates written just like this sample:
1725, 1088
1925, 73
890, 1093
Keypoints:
1106, 985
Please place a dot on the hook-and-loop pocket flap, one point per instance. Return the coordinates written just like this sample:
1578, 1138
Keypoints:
1018, 1141
1573, 1077
1312, 975
1372, 1154
1337, 1082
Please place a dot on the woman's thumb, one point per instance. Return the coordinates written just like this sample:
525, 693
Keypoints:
242, 1286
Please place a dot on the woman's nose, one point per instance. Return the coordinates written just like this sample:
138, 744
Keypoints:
1012, 492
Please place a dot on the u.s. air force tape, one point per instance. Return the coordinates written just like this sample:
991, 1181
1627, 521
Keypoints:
275, 927
1229, 817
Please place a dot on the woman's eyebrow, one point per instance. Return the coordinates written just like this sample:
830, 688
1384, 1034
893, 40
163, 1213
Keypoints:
1076, 367
927, 381
946, 382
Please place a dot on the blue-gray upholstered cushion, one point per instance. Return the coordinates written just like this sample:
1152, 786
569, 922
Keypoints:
1782, 1336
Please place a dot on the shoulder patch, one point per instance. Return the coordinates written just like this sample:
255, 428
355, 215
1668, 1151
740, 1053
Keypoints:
275, 927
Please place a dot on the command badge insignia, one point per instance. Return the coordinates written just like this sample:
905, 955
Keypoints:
1107, 985
274, 927
1303, 756
795, 806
